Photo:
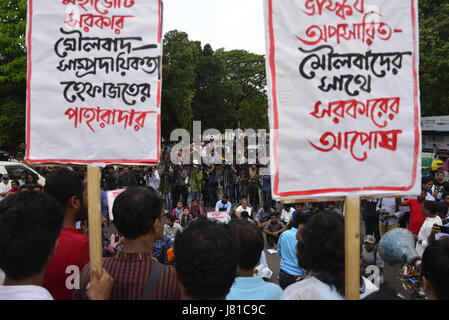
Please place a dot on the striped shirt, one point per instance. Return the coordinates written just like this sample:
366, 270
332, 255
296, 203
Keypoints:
131, 274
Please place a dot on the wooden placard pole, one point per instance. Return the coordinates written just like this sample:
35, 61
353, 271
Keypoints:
352, 248
94, 217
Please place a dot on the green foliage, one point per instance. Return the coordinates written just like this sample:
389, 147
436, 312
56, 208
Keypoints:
434, 57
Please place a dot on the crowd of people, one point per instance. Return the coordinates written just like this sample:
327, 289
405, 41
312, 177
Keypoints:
158, 253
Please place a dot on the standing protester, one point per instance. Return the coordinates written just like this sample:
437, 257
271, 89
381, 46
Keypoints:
289, 270
254, 186
110, 178
196, 180
30, 224
207, 256
321, 251
137, 216
126, 179
69, 188
416, 216
152, 179
389, 214
247, 286
266, 190
212, 184
166, 187
440, 185
273, 229
371, 218
431, 210
5, 186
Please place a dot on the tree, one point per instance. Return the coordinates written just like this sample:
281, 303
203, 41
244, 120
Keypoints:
434, 57
12, 72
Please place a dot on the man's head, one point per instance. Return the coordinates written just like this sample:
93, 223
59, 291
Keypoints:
427, 183
244, 203
194, 203
15, 184
137, 213
440, 176
298, 222
369, 242
69, 188
299, 207
266, 208
244, 215
206, 259
5, 179
274, 218
446, 199
441, 210
171, 220
435, 270
430, 208
30, 224
125, 171
331, 205
224, 199
251, 243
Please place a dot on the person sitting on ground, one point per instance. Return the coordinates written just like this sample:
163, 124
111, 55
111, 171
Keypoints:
160, 248
263, 216
185, 219
30, 224
370, 256
247, 286
178, 211
436, 233
137, 216
223, 205
430, 210
171, 228
207, 256
69, 188
195, 209
242, 207
273, 229
289, 270
321, 251
435, 270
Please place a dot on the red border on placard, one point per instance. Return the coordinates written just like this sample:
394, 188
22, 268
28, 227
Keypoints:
276, 118
28, 106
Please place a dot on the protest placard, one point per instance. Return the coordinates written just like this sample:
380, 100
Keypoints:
344, 97
221, 216
111, 195
94, 81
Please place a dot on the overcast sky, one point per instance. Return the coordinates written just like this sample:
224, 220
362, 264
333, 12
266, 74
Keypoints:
229, 24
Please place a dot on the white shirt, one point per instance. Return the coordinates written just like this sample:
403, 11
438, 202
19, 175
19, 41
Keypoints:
4, 188
24, 293
429, 197
2, 277
172, 231
389, 205
424, 233
310, 289
240, 209
287, 216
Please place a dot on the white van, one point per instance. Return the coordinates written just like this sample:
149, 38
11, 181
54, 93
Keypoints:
14, 169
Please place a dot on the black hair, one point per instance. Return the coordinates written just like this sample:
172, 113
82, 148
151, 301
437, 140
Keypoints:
274, 214
63, 184
251, 243
432, 206
322, 248
16, 182
445, 194
30, 223
135, 210
206, 259
440, 207
435, 267
244, 214
225, 196
425, 180
266, 207
299, 219
171, 217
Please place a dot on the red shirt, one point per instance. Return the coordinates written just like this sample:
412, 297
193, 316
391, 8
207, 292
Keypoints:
416, 216
73, 249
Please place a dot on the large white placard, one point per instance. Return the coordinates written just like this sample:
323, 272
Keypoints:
94, 81
344, 97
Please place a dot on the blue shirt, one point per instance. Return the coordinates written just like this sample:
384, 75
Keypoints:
220, 205
287, 250
253, 288
160, 248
